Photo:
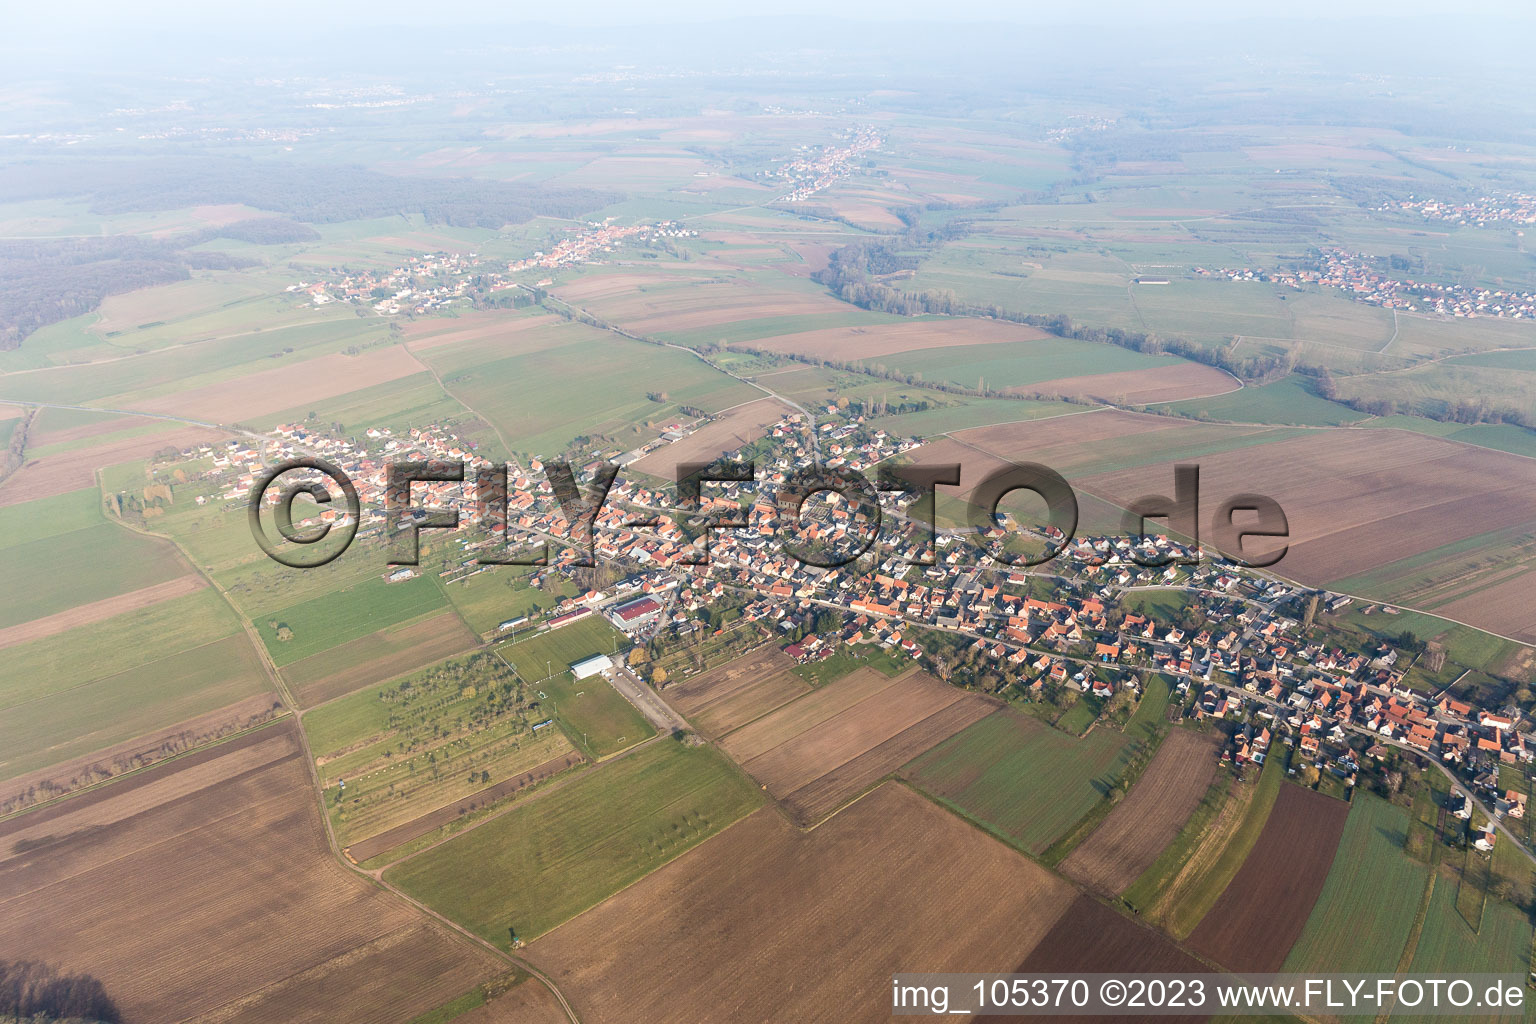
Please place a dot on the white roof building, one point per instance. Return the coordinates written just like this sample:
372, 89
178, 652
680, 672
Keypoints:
591, 666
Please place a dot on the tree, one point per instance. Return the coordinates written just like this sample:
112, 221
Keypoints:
1309, 613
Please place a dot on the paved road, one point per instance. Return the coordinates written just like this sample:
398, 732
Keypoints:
647, 702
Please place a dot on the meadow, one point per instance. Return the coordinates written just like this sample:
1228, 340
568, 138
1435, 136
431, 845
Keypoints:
1287, 401
100, 684
75, 568
548, 859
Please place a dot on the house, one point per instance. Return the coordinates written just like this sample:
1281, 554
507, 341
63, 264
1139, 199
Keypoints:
1484, 838
1460, 805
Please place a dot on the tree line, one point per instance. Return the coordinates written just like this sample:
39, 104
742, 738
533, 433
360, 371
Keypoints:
31, 989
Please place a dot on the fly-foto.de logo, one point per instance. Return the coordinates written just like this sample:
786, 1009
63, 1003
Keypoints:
482, 495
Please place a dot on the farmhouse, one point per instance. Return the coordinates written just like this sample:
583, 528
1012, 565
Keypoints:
587, 667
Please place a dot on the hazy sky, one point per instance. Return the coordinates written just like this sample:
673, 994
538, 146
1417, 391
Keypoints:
305, 15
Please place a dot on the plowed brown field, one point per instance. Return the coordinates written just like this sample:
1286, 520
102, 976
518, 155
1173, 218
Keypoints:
204, 888
764, 922
815, 753
1135, 832
1261, 913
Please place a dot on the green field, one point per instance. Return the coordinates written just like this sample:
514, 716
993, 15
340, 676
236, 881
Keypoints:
488, 599
49, 517
1020, 364
1026, 782
1368, 904
85, 565
595, 717
550, 858
1285, 401
976, 412
1448, 946
595, 385
132, 640
885, 660
324, 622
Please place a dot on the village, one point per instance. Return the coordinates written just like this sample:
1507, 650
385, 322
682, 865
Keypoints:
816, 169
433, 281
1495, 208
1247, 649
1363, 279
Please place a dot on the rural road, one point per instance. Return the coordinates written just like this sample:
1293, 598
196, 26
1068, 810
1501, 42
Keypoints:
647, 702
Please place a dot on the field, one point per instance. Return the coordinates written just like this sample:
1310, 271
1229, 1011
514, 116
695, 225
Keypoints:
593, 715
376, 657
137, 673
1367, 906
874, 341
104, 608
412, 749
266, 926
1090, 937
565, 850
1152, 813
596, 384
737, 692
803, 905
1284, 401
302, 384
1359, 499
549, 653
1020, 779
1263, 910
815, 752
1448, 946
88, 565
326, 622
75, 468
1026, 367
733, 429
1140, 387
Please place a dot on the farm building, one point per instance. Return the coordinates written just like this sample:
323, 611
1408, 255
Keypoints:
591, 666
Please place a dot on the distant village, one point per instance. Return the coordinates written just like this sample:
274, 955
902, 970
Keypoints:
1497, 208
1363, 279
814, 169
432, 281
1035, 634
